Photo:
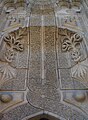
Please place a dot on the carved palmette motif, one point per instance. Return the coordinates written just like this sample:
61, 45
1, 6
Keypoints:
11, 43
7, 71
71, 43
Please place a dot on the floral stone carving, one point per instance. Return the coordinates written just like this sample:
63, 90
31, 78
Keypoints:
14, 40
11, 43
71, 43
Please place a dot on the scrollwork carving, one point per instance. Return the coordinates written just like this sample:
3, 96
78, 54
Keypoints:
9, 55
72, 44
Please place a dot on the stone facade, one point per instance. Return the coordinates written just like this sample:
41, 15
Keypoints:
43, 60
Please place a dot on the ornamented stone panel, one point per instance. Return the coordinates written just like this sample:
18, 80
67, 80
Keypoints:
14, 59
38, 64
72, 60
43, 68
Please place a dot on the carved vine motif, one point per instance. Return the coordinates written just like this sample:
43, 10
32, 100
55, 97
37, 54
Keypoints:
14, 39
9, 55
71, 42
13, 44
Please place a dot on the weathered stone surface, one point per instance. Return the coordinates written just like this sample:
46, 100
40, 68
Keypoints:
61, 110
77, 97
8, 99
20, 112
43, 60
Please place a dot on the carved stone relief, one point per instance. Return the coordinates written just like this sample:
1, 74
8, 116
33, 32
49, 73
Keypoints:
70, 21
43, 68
8, 99
77, 98
37, 68
14, 22
73, 47
69, 4
11, 44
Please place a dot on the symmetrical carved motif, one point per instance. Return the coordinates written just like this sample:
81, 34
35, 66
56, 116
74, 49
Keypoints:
80, 70
42, 70
7, 71
11, 44
71, 43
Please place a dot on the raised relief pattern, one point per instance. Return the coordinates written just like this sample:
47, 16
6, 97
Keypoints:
12, 43
71, 43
